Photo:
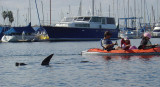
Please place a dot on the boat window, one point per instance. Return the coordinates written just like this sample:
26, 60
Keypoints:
75, 18
110, 21
82, 25
156, 30
158, 25
103, 21
86, 19
96, 19
80, 19
67, 19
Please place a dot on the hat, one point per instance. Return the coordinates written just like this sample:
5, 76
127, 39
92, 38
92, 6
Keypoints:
147, 34
126, 38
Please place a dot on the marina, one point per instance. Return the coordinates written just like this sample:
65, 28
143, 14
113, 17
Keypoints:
79, 43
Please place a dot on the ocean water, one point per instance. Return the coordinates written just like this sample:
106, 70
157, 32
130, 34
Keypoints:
68, 68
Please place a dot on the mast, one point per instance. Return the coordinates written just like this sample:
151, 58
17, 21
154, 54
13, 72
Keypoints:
117, 10
135, 12
92, 7
42, 12
157, 11
128, 12
153, 15
144, 12
38, 13
109, 10
69, 10
50, 12
113, 7
100, 11
30, 9
80, 9
128, 8
17, 16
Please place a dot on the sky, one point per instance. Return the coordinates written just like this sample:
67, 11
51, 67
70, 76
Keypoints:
65, 8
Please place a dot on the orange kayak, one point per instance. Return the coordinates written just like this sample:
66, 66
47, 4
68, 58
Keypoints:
97, 51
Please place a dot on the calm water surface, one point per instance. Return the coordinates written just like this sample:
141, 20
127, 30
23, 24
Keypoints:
68, 68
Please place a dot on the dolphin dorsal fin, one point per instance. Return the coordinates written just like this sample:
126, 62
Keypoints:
47, 60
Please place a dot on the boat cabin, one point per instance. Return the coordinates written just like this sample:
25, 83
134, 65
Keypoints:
88, 22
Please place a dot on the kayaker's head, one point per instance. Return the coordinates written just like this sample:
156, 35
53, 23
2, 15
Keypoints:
147, 35
107, 35
126, 39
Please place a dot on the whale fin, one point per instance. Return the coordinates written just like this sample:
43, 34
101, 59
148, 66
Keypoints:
47, 60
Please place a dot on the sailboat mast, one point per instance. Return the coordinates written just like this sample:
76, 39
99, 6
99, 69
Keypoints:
80, 9
128, 14
144, 12
141, 8
128, 8
157, 11
117, 9
38, 13
50, 12
17, 16
109, 10
30, 9
100, 13
92, 7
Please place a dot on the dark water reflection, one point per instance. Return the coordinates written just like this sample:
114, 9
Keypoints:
70, 69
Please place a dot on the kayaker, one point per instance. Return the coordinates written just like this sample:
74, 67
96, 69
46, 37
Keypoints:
146, 43
106, 42
126, 45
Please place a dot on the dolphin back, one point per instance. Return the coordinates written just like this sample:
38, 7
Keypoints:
47, 60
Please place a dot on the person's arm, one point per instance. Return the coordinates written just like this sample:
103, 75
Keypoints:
108, 45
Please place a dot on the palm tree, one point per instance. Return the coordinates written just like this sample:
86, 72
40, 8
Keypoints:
10, 16
4, 14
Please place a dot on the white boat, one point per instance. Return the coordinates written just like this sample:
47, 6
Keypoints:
129, 33
15, 34
18, 38
156, 30
82, 28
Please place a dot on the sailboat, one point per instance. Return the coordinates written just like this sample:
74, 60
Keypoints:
16, 34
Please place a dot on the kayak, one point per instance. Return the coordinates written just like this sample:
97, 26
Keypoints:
98, 51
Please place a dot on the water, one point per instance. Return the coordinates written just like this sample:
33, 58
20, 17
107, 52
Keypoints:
68, 68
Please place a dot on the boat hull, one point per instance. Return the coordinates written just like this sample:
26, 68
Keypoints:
97, 51
17, 38
66, 33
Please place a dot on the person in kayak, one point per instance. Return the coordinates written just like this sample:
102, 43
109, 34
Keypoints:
126, 44
106, 42
146, 43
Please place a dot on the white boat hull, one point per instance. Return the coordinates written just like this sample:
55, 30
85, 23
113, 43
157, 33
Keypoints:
16, 38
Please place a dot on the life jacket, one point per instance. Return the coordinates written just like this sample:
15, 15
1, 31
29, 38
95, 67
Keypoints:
106, 42
144, 44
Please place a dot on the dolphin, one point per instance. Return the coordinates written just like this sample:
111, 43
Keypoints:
20, 64
45, 62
